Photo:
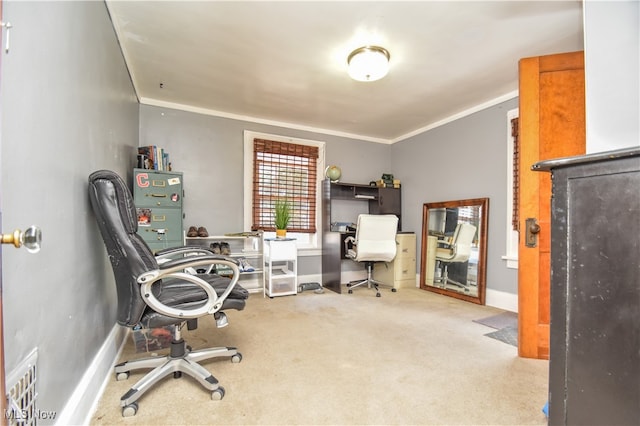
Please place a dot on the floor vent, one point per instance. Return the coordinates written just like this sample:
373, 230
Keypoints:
21, 393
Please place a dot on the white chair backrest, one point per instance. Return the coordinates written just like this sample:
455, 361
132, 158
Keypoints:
376, 237
462, 239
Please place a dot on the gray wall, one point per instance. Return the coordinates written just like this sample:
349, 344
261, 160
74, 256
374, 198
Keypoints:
463, 159
68, 108
612, 72
209, 151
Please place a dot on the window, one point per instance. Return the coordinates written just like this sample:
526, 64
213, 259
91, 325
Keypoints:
512, 189
278, 167
284, 171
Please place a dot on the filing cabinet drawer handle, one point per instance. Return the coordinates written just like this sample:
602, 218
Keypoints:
157, 195
160, 230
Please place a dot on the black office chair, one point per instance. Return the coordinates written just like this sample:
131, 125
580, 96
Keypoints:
155, 291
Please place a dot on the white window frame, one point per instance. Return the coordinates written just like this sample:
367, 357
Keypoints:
308, 244
512, 236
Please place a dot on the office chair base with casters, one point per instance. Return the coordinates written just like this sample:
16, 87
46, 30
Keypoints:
444, 280
369, 281
181, 359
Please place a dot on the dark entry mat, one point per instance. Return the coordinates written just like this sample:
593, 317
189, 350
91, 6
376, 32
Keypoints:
507, 335
502, 320
506, 325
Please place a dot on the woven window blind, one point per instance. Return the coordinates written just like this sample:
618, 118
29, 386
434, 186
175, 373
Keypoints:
284, 171
515, 212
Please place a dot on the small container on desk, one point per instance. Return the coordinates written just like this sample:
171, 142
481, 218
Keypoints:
281, 266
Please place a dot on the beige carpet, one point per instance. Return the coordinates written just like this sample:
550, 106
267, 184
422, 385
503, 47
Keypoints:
411, 357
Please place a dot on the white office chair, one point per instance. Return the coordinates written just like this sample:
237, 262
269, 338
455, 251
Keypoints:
375, 241
458, 250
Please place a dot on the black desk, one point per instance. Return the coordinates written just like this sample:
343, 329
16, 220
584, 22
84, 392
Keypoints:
378, 201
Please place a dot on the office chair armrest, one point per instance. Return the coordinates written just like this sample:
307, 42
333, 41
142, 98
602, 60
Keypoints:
451, 251
168, 254
195, 260
444, 244
182, 250
349, 240
174, 269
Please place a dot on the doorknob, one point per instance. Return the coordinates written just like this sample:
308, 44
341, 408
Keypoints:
31, 239
532, 231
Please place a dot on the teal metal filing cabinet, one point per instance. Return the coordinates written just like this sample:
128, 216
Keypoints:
158, 199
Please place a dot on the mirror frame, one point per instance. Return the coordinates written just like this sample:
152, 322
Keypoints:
483, 203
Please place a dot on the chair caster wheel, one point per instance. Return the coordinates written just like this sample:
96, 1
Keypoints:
236, 358
393, 290
377, 294
130, 410
350, 291
122, 376
217, 394
177, 374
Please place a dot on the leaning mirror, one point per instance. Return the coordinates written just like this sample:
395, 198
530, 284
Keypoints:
454, 248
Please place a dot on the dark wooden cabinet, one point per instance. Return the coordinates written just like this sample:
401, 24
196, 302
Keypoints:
387, 202
594, 363
379, 201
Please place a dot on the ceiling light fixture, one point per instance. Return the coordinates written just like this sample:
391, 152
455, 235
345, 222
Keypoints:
368, 63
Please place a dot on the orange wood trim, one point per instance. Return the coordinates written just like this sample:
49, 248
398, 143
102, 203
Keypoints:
562, 61
528, 260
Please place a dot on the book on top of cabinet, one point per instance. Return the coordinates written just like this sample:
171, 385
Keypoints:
153, 157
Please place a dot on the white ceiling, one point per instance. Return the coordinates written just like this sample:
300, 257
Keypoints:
284, 62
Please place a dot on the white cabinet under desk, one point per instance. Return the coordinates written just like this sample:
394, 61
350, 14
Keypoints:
280, 266
401, 271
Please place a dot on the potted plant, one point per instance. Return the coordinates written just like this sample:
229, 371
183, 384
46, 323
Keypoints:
282, 217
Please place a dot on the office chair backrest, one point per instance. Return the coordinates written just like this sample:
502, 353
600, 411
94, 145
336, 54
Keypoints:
376, 237
462, 240
130, 256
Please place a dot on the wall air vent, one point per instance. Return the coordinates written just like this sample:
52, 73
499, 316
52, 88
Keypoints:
21, 393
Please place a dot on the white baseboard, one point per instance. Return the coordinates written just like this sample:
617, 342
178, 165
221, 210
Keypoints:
85, 397
311, 278
494, 298
502, 300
